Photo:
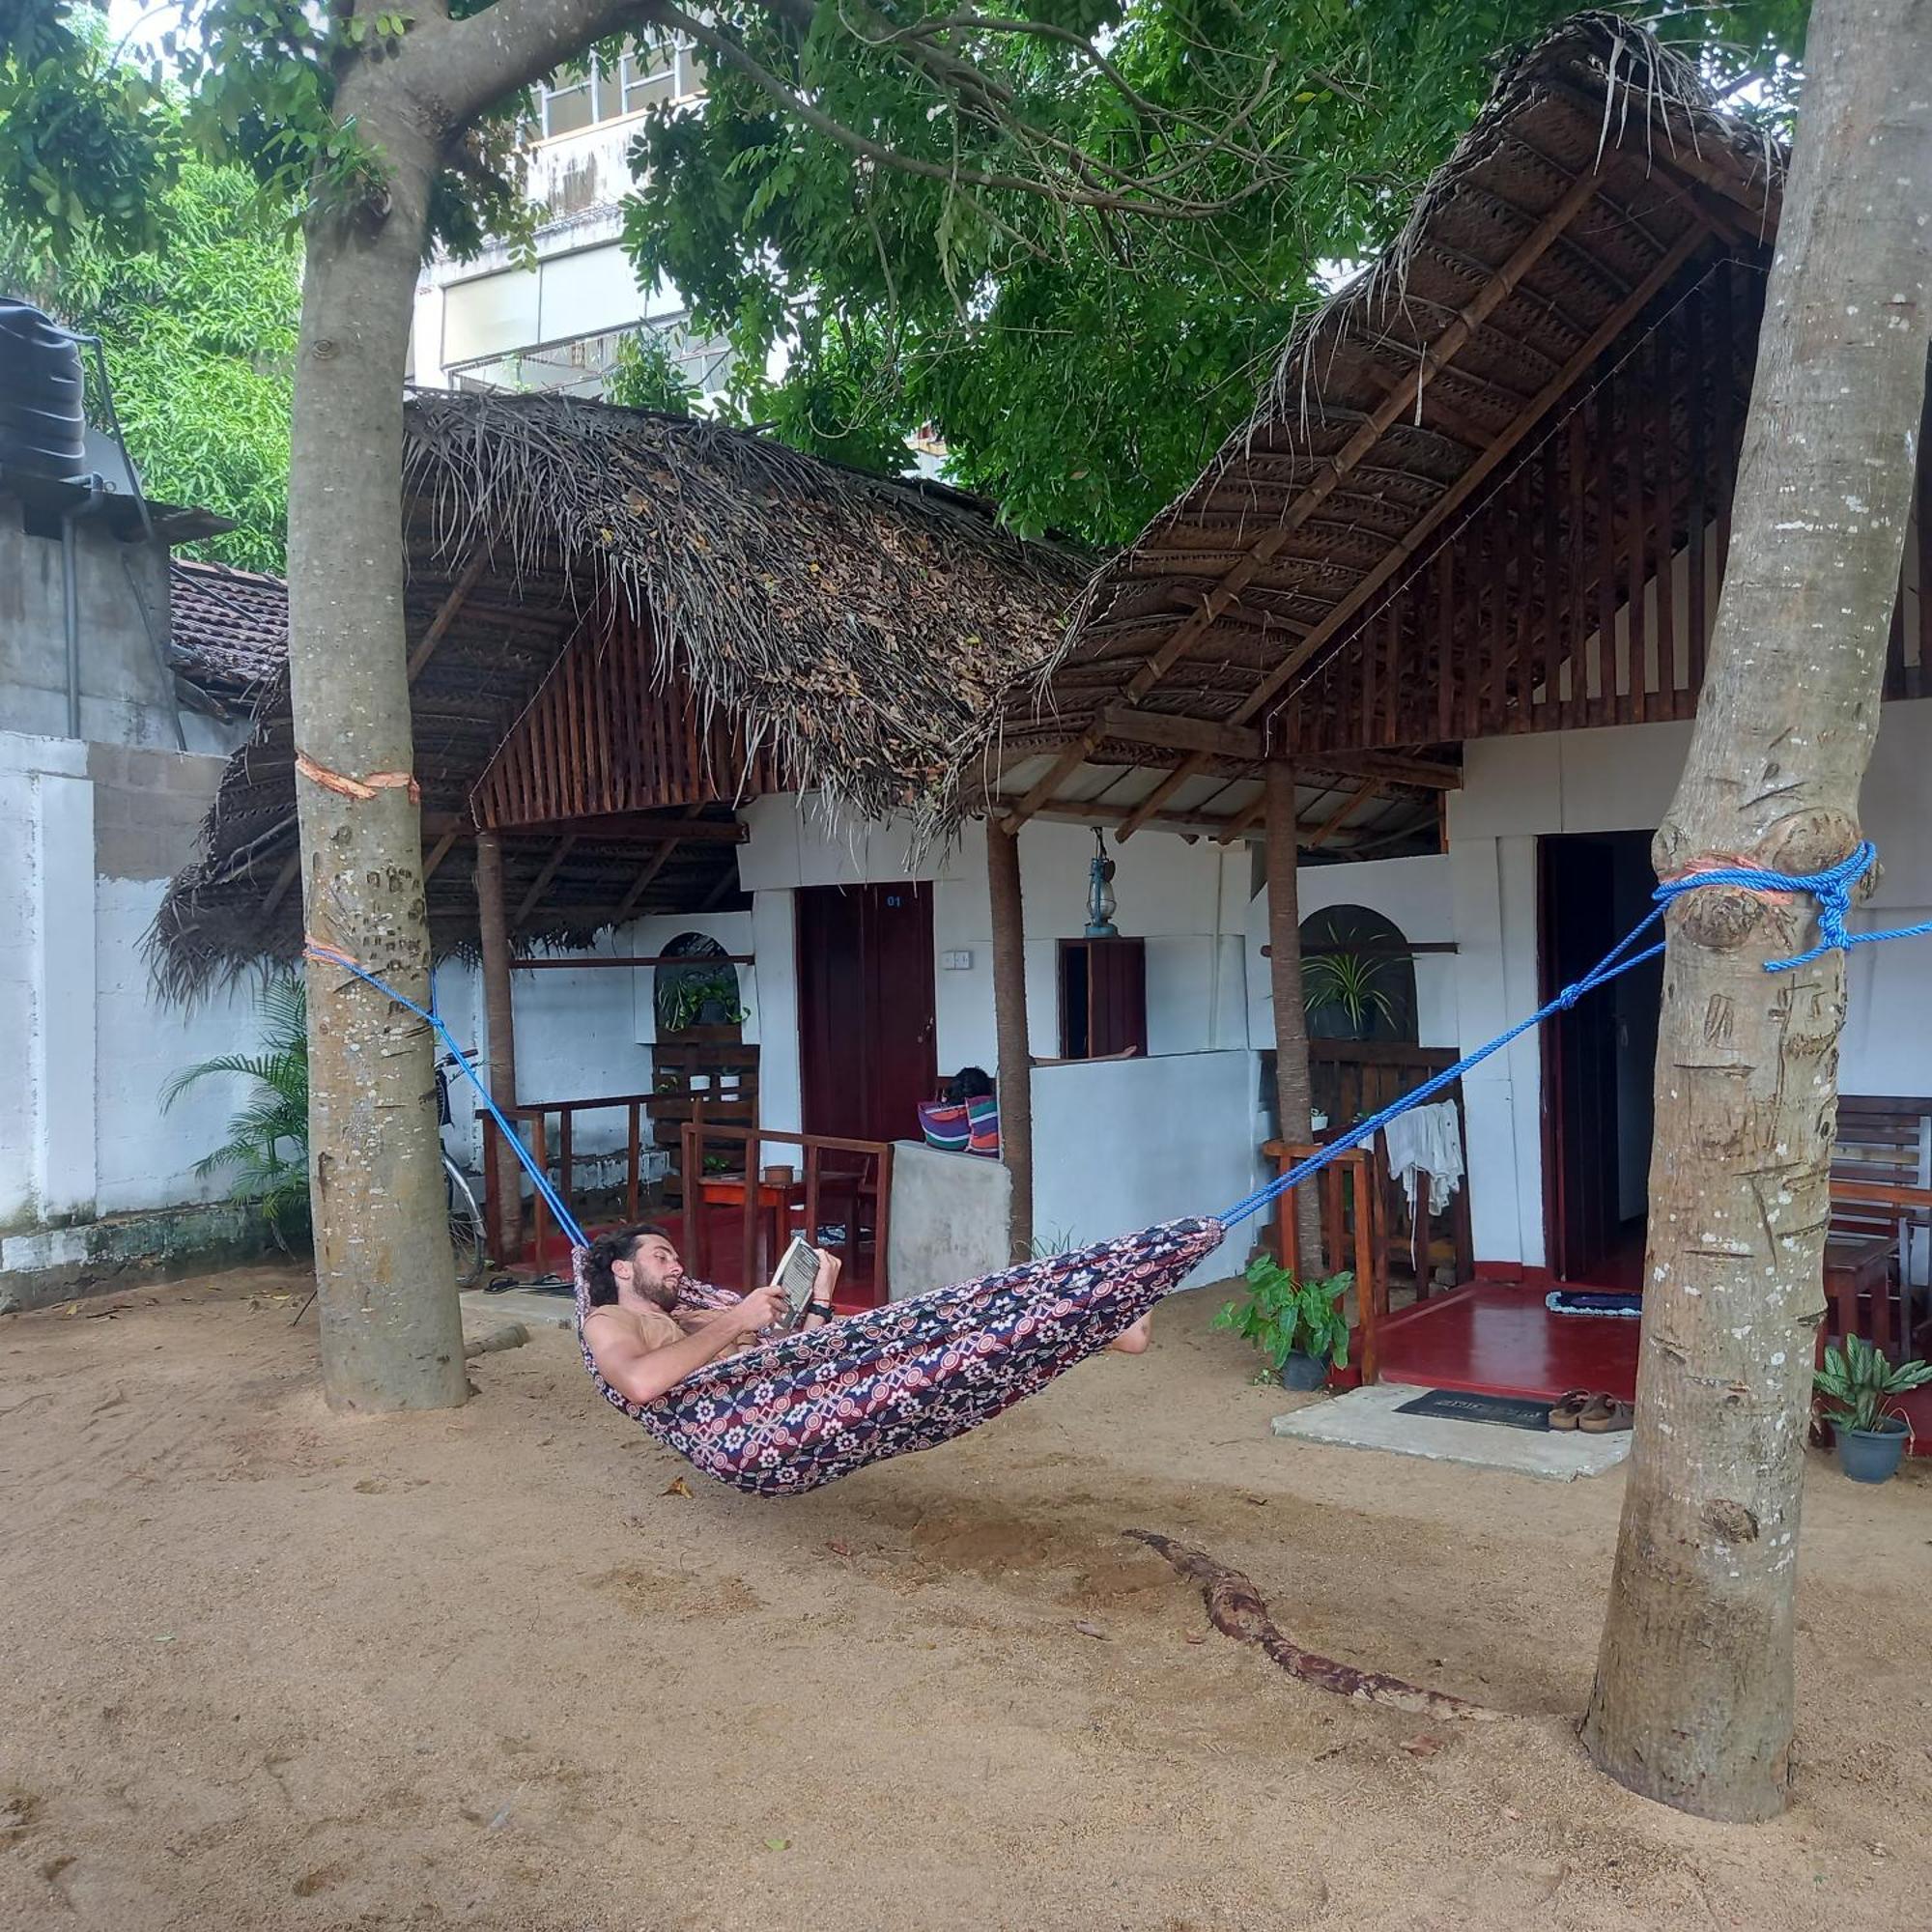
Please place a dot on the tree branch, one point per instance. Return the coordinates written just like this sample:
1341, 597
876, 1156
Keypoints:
735, 54
514, 42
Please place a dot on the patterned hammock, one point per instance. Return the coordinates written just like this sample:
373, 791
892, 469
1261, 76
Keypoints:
791, 1415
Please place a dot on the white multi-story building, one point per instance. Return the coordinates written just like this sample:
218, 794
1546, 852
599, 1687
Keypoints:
495, 323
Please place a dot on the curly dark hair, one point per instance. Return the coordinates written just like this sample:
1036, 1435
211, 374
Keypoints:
619, 1246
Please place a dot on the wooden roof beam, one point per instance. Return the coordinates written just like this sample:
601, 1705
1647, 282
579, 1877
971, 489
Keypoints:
1206, 825
1390, 768
641, 883
636, 827
1403, 396
1249, 823
1178, 733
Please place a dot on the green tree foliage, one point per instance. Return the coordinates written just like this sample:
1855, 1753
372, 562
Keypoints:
1081, 364
647, 377
196, 303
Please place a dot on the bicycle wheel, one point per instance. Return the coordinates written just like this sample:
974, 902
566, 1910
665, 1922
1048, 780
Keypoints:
466, 1225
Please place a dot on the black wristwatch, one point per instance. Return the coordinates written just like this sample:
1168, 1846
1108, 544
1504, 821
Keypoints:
822, 1309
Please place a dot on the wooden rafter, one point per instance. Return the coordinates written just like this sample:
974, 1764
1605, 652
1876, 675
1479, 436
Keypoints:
558, 854
650, 872
447, 611
440, 851
279, 891
1452, 499
1340, 816
1204, 825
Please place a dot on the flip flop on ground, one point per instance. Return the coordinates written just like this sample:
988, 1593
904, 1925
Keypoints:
1605, 1415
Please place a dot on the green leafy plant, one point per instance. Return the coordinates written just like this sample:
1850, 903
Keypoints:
1350, 984
267, 1136
684, 1003
1280, 1315
647, 376
1858, 1384
1049, 1242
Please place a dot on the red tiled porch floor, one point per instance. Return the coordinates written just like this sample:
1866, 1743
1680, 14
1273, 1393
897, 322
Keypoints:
1497, 1338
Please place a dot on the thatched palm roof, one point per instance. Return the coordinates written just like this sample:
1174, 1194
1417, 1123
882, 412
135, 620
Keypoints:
860, 635
1600, 180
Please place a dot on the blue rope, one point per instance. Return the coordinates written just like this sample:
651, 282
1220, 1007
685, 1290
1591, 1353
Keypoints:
329, 955
1831, 888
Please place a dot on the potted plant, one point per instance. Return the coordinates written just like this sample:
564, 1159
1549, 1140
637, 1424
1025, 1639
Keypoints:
1348, 983
1856, 1385
1297, 1325
701, 998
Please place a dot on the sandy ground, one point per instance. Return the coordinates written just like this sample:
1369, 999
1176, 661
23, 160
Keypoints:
267, 1667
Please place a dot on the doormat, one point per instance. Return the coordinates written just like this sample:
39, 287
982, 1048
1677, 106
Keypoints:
1506, 1411
1569, 1301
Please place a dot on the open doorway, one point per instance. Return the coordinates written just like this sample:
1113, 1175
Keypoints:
1597, 1059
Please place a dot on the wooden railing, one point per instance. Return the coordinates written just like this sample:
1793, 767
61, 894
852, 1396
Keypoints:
1351, 1079
537, 1116
1353, 1235
871, 1178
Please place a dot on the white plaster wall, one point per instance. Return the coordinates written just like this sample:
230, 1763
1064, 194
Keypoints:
1120, 1144
1189, 903
145, 1157
1415, 894
1622, 779
91, 1045
19, 948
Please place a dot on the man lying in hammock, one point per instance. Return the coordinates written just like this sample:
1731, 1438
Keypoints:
651, 1326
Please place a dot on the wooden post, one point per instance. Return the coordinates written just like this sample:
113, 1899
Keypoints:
504, 1178
1010, 1023
1290, 1019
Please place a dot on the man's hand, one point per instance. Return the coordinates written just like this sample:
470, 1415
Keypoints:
822, 1286
760, 1309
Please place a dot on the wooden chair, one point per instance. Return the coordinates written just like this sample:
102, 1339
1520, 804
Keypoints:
1880, 1238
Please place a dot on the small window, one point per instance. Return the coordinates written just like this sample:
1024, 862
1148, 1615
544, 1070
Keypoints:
1102, 998
569, 109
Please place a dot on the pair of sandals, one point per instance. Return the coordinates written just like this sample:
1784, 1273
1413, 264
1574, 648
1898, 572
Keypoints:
1592, 1412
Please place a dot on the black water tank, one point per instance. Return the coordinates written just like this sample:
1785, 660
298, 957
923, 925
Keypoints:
42, 420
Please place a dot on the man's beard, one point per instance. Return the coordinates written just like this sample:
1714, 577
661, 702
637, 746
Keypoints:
662, 1294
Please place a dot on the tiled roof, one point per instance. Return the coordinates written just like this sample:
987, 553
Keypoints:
230, 630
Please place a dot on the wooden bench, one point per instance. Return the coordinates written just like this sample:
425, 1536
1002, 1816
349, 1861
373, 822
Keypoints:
1881, 1228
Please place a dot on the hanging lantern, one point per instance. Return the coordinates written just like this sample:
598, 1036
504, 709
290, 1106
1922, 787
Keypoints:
1100, 890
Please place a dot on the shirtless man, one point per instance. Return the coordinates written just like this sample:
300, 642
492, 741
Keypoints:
645, 1339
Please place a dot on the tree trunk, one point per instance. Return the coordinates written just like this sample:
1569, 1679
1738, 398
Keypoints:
506, 1177
1293, 1092
1692, 1702
391, 1327
1010, 1022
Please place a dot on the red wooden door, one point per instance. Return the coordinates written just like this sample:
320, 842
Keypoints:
865, 1008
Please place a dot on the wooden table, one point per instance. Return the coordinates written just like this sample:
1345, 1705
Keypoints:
775, 1207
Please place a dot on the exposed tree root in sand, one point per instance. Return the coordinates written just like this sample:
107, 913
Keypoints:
1235, 1607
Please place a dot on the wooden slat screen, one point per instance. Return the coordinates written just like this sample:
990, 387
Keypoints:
608, 733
